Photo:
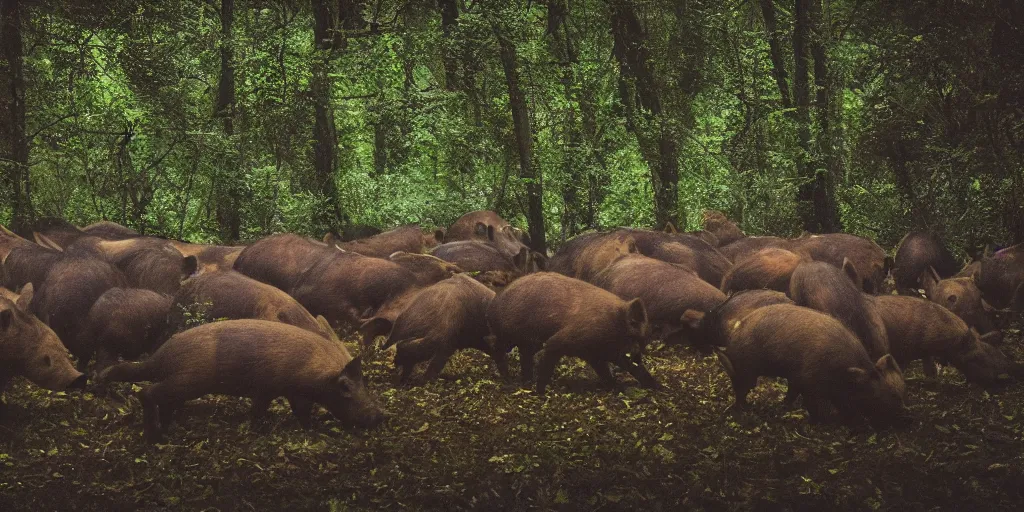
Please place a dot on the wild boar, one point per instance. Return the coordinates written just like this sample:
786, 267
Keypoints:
584, 256
28, 264
962, 296
108, 230
64, 298
474, 256
410, 239
55, 230
746, 246
868, 259
549, 316
32, 350
769, 269
150, 263
915, 253
921, 329
706, 330
280, 260
210, 258
667, 291
823, 287
230, 295
819, 357
442, 319
1001, 278
427, 269
346, 287
725, 230
681, 249
8, 241
123, 322
487, 226
250, 358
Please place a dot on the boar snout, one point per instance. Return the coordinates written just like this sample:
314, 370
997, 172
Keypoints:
78, 382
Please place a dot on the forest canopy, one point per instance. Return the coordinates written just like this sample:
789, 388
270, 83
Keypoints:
226, 120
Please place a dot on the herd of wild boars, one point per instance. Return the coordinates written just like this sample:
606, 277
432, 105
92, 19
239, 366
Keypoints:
261, 320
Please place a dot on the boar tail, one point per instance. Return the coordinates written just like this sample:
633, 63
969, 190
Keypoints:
125, 372
724, 359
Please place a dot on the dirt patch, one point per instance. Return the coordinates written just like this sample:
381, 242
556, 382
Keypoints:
471, 441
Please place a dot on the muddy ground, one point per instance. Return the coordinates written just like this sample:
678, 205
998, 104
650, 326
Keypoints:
471, 441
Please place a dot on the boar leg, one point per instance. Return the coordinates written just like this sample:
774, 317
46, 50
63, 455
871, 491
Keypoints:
406, 373
603, 371
527, 355
83, 361
930, 369
104, 359
741, 387
302, 409
634, 365
161, 399
547, 360
259, 412
792, 393
437, 364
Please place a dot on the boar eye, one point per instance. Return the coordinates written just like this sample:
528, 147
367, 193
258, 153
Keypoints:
47, 361
346, 387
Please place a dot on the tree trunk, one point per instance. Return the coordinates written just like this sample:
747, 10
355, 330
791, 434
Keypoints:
775, 46
562, 48
228, 182
801, 90
327, 37
826, 209
524, 144
449, 17
641, 98
13, 141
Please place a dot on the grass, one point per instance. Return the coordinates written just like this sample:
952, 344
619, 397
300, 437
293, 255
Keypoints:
470, 441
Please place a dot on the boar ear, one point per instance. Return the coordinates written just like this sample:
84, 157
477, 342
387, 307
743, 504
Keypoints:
994, 338
539, 260
522, 260
929, 278
374, 327
439, 235
45, 241
331, 238
887, 363
636, 313
25, 299
189, 265
350, 376
325, 326
850, 271
670, 228
858, 375
692, 318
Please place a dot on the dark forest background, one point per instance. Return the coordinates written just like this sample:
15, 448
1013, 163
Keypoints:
226, 120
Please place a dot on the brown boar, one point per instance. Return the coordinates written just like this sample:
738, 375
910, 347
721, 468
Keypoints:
280, 260
210, 258
769, 269
725, 230
1001, 278
346, 286
474, 256
487, 226
8, 241
962, 296
427, 269
150, 263
410, 239
706, 330
666, 290
709, 264
54, 230
915, 253
921, 329
28, 264
233, 296
549, 316
123, 322
250, 358
444, 318
823, 287
819, 357
748, 245
30, 349
584, 256
868, 259
108, 230
66, 295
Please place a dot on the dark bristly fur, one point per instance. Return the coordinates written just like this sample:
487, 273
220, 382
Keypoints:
280, 260
123, 322
915, 253
769, 269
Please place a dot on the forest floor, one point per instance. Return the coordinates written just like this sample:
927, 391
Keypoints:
470, 441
